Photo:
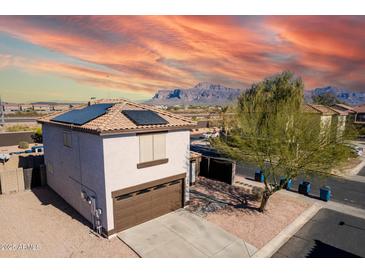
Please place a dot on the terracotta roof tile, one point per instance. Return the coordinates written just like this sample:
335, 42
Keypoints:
320, 109
360, 108
115, 121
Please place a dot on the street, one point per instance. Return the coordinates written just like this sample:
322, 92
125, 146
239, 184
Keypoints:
329, 234
343, 190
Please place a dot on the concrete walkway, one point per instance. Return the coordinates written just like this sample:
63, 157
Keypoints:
181, 234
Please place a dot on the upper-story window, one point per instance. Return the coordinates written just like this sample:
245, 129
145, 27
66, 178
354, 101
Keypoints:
152, 147
67, 139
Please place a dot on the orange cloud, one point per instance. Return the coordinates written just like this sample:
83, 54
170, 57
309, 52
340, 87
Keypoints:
146, 53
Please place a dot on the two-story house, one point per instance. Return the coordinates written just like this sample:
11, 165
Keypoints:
118, 163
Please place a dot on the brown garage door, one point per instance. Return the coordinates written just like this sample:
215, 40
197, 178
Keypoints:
136, 207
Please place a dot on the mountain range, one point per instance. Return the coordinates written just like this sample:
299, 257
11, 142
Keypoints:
201, 94
347, 97
214, 94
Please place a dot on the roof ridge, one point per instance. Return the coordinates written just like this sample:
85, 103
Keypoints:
149, 107
108, 119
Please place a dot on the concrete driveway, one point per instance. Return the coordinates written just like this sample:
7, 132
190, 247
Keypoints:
181, 234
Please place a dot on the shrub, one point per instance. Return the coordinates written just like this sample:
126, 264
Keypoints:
23, 145
17, 128
37, 136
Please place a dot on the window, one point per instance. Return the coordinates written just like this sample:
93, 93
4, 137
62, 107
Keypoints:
360, 117
152, 147
67, 139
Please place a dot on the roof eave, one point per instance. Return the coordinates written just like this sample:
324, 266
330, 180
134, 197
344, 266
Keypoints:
119, 131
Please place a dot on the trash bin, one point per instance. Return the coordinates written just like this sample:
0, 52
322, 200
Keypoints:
288, 185
325, 193
259, 176
304, 187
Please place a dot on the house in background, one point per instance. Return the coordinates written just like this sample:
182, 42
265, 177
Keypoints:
26, 107
41, 107
359, 115
328, 116
118, 163
10, 108
60, 107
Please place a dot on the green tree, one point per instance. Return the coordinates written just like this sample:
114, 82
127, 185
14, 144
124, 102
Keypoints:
327, 99
272, 131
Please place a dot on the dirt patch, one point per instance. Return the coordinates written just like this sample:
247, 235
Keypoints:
41, 224
235, 210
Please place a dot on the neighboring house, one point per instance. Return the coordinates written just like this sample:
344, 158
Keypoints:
60, 107
347, 109
10, 108
359, 115
328, 116
41, 107
26, 107
118, 163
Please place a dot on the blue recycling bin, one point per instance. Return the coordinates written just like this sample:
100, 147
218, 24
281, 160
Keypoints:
259, 176
325, 193
304, 188
288, 185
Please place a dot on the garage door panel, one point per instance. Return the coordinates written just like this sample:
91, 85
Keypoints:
141, 206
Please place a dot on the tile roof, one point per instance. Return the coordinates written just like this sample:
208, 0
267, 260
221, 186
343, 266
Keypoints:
339, 111
114, 121
319, 109
345, 106
360, 108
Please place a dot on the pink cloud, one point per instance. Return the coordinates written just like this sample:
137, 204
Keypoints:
145, 53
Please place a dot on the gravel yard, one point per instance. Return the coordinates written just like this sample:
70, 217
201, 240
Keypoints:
234, 209
39, 223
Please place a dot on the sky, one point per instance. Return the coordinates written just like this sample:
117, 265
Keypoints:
73, 58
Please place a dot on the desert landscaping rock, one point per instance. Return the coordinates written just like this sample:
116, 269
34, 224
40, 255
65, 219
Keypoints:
243, 219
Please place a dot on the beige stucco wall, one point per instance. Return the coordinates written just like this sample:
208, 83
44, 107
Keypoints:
99, 165
121, 156
341, 125
73, 170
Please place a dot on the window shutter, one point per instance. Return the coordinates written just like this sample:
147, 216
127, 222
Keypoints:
159, 146
145, 148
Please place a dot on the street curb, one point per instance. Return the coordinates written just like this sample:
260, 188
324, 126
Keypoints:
352, 172
271, 247
346, 209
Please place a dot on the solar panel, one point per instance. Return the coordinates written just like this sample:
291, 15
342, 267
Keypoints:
144, 117
82, 116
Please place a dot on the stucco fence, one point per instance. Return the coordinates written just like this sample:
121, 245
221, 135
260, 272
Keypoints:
17, 180
30, 173
14, 138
